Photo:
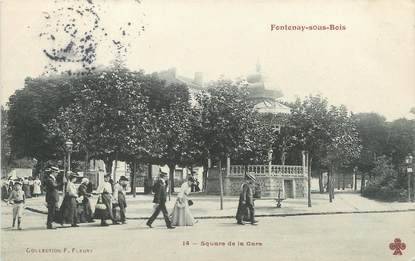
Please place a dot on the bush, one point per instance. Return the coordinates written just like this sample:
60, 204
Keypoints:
385, 186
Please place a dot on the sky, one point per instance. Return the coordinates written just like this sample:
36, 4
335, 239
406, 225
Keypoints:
369, 66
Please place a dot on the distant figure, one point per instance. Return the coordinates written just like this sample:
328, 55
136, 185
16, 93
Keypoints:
246, 201
17, 196
4, 189
181, 215
36, 187
26, 187
31, 185
52, 195
160, 197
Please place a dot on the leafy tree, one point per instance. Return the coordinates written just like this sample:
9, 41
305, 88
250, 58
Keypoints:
401, 140
29, 110
5, 143
344, 146
310, 120
224, 118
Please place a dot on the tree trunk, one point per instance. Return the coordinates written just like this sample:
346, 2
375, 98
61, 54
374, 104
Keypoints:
171, 178
338, 180
205, 175
330, 183
310, 160
221, 184
115, 167
108, 163
133, 168
86, 166
344, 181
149, 180
320, 181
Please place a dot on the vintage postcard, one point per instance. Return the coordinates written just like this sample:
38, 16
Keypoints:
207, 130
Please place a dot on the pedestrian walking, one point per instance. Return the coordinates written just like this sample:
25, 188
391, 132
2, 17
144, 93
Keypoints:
52, 195
181, 215
17, 196
120, 191
160, 197
103, 208
246, 201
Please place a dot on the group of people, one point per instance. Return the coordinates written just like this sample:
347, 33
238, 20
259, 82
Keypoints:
76, 205
111, 203
181, 215
30, 186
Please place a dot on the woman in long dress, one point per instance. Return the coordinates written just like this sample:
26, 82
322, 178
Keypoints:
181, 215
106, 198
69, 204
36, 187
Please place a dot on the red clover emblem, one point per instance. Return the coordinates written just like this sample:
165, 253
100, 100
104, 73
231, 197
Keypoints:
397, 245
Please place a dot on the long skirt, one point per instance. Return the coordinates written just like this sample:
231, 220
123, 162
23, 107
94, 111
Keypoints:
85, 211
68, 210
36, 190
181, 215
243, 212
26, 189
107, 212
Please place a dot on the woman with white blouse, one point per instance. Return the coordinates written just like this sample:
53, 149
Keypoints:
181, 215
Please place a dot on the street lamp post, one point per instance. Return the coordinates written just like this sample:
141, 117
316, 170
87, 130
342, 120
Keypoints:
69, 145
408, 161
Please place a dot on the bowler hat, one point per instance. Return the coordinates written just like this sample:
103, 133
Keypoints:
123, 178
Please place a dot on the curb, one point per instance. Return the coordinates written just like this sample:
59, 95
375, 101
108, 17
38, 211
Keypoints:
272, 215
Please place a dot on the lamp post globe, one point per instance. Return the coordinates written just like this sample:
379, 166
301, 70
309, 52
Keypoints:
69, 145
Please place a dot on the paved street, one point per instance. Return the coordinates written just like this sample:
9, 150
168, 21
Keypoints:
327, 237
208, 205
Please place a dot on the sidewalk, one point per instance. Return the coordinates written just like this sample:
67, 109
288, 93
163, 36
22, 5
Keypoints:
208, 206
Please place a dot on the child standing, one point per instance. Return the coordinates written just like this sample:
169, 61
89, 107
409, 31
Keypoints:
18, 197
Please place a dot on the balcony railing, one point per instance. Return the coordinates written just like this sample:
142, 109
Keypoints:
264, 170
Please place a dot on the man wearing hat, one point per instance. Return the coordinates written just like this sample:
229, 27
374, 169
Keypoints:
52, 195
160, 197
120, 190
17, 196
246, 200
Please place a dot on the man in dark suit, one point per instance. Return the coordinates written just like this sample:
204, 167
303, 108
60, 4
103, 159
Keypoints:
52, 195
246, 201
160, 196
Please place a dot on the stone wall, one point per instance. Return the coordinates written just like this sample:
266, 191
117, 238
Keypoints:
269, 185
